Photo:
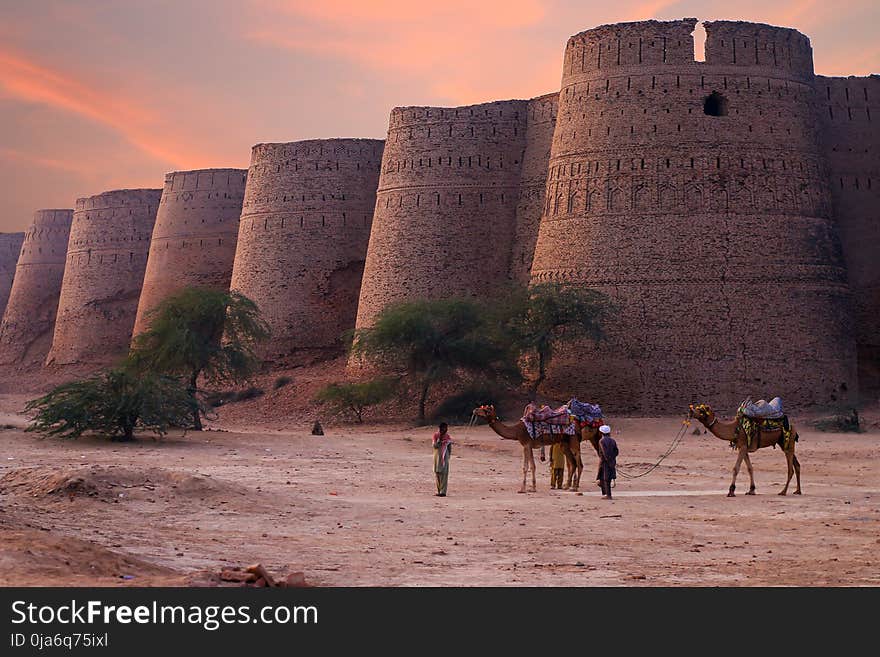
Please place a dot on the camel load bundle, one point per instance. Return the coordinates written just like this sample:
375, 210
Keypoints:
760, 417
562, 420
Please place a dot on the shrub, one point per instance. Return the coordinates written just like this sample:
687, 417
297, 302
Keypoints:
841, 423
281, 381
115, 403
355, 398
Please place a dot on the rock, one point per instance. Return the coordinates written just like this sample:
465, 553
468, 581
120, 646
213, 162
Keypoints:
260, 572
294, 580
235, 575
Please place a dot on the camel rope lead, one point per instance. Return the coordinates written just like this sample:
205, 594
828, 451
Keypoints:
686, 423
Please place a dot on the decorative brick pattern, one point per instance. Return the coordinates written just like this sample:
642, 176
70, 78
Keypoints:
29, 319
302, 240
696, 195
193, 242
106, 259
10, 248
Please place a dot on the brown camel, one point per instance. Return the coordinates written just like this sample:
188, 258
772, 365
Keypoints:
737, 438
519, 433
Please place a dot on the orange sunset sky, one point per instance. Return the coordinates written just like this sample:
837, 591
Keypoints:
107, 94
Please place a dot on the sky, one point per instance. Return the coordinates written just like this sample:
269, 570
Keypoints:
109, 94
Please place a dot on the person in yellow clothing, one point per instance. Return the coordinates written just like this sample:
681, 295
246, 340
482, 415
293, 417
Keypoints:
557, 466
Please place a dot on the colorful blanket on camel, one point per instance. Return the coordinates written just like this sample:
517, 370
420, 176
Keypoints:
548, 420
584, 412
536, 429
751, 427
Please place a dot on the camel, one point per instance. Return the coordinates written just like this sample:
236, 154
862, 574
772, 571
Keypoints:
519, 433
729, 431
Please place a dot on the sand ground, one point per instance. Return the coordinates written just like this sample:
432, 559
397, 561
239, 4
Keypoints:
357, 507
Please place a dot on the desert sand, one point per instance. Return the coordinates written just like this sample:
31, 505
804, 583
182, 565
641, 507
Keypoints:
356, 507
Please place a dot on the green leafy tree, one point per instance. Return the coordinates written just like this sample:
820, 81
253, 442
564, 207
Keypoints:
115, 402
357, 397
202, 331
539, 318
431, 340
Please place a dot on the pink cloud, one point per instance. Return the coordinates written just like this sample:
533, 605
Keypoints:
29, 81
45, 162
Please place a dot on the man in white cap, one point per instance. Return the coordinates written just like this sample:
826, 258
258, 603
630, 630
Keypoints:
608, 462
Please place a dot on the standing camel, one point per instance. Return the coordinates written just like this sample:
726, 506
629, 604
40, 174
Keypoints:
519, 433
736, 436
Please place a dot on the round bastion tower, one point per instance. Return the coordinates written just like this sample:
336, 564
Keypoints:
10, 248
26, 329
106, 259
695, 195
193, 241
446, 204
302, 240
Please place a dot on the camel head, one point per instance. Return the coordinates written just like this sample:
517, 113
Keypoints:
487, 411
702, 412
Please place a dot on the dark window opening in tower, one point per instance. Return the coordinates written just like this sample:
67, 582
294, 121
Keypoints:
715, 105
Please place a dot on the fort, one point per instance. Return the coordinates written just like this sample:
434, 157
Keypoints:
718, 203
10, 248
29, 318
193, 240
728, 207
302, 240
103, 275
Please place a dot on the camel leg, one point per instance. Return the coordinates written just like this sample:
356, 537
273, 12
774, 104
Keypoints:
748, 461
789, 460
797, 472
534, 487
575, 444
525, 467
739, 460
569, 466
580, 465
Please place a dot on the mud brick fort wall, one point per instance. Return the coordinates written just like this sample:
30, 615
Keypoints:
106, 259
850, 112
713, 234
29, 318
540, 124
193, 242
729, 207
10, 248
302, 240
446, 206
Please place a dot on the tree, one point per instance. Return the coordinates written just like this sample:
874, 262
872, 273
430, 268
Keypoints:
115, 403
202, 331
430, 340
538, 318
356, 397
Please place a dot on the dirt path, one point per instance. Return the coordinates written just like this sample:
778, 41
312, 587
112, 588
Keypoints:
356, 507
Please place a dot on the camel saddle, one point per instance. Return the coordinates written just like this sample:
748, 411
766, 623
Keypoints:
763, 410
548, 415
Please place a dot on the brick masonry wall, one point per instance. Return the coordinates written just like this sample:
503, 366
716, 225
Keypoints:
712, 234
540, 123
446, 204
302, 240
850, 111
194, 238
10, 248
29, 319
103, 275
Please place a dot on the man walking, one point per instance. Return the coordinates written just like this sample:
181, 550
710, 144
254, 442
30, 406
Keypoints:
608, 463
442, 443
